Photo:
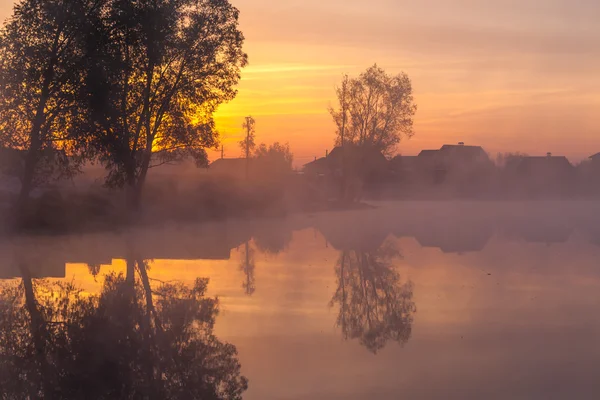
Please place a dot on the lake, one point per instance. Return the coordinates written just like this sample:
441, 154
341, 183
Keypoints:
416, 300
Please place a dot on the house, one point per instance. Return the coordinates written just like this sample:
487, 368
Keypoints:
458, 164
317, 168
229, 167
542, 175
365, 161
595, 158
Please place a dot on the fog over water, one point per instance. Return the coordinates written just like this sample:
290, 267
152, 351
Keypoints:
460, 300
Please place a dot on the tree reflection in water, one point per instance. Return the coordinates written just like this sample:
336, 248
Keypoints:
375, 306
130, 341
247, 266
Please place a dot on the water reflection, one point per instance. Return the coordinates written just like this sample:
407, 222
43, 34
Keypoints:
247, 266
132, 340
375, 306
496, 287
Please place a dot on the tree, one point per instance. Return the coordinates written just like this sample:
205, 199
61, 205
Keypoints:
509, 159
374, 305
41, 75
247, 266
160, 69
375, 109
274, 158
248, 143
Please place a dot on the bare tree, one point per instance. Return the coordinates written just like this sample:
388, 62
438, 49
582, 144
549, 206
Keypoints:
248, 144
375, 109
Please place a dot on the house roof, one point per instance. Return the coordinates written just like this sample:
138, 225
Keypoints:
318, 164
402, 162
544, 163
464, 152
355, 155
228, 165
428, 153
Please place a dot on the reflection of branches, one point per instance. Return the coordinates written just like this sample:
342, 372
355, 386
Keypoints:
374, 305
94, 269
272, 240
247, 266
129, 341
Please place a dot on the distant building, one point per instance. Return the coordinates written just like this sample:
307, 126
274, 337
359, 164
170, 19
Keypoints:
365, 161
454, 163
595, 158
542, 175
319, 167
229, 167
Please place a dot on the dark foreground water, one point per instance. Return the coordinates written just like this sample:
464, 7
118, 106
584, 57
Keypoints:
409, 300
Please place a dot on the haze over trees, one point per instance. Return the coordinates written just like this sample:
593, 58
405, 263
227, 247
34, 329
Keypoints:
160, 71
375, 109
130, 84
42, 59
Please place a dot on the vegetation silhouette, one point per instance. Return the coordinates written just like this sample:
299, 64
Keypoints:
133, 85
374, 112
160, 71
42, 70
375, 109
133, 340
247, 266
375, 306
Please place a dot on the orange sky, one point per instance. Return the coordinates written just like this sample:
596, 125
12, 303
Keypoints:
508, 75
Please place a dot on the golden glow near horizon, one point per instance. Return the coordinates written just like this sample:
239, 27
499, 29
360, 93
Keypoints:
508, 75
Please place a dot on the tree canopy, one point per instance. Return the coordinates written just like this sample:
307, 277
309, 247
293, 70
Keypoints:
42, 57
159, 71
375, 109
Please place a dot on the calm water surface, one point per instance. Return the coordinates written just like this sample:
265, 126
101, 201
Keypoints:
412, 300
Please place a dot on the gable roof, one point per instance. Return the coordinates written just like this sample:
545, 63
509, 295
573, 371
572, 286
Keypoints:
546, 164
320, 164
428, 153
228, 165
464, 152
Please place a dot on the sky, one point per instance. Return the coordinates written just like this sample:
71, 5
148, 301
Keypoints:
510, 75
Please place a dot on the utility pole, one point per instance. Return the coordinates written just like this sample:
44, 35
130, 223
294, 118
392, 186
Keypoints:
222, 152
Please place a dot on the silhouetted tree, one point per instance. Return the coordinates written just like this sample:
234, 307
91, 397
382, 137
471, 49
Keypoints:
160, 69
130, 341
509, 159
273, 162
41, 75
374, 305
375, 109
248, 144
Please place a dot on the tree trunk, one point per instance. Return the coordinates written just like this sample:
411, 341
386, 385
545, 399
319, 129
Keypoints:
38, 331
31, 159
138, 188
35, 142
